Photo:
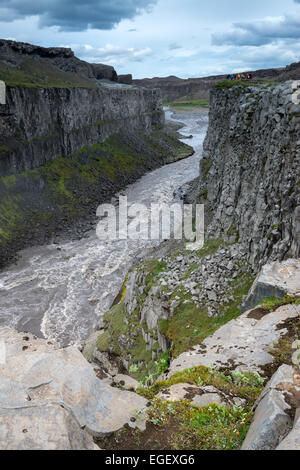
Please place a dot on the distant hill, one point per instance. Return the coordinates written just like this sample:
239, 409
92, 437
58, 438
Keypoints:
174, 88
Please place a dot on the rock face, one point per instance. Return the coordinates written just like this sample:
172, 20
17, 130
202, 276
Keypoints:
72, 118
126, 79
14, 53
275, 280
51, 398
249, 175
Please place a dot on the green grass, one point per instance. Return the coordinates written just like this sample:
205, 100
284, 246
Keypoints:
32, 73
201, 325
227, 84
272, 303
211, 428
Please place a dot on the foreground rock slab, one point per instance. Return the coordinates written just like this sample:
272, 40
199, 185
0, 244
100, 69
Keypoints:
243, 343
292, 441
272, 421
57, 390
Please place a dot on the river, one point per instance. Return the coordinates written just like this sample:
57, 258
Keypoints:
61, 291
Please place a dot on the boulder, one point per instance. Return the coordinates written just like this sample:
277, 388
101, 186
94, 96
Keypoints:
275, 280
126, 382
33, 380
271, 422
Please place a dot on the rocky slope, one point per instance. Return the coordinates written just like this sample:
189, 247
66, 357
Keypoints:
174, 88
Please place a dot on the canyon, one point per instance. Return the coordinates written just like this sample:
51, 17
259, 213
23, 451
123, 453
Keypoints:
142, 344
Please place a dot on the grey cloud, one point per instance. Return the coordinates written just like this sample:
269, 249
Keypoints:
260, 32
174, 46
74, 15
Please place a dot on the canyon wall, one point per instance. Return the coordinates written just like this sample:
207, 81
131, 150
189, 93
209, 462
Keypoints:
39, 124
250, 172
70, 138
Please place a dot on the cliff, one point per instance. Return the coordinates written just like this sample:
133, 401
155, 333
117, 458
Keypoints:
20, 55
69, 140
38, 124
174, 88
249, 174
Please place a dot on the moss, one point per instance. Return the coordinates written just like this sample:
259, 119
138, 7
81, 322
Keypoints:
210, 428
163, 326
103, 342
205, 166
282, 350
153, 269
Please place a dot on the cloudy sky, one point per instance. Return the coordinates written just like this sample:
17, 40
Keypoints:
187, 38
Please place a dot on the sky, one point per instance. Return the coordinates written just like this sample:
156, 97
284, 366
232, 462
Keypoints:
148, 38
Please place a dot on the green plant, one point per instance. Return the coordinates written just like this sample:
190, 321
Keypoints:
247, 378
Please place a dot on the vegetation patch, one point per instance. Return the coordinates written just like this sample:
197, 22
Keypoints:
227, 84
181, 426
246, 385
191, 324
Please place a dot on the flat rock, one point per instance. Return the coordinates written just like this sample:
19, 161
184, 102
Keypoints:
275, 280
48, 427
36, 378
243, 343
200, 396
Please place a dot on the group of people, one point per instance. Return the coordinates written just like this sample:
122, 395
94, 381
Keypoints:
240, 76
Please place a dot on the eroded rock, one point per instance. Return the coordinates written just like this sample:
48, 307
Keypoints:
32, 380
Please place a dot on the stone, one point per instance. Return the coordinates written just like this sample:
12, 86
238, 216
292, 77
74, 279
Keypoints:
270, 425
126, 382
275, 280
292, 441
46, 427
33, 380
